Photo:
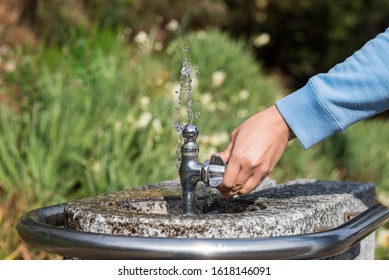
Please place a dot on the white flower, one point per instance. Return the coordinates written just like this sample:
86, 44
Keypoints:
172, 25
144, 120
206, 102
242, 113
261, 40
141, 38
218, 78
244, 94
144, 102
206, 98
96, 167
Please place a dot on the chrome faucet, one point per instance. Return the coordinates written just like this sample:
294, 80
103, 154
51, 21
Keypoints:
191, 171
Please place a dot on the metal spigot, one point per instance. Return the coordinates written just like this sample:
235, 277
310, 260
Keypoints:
191, 171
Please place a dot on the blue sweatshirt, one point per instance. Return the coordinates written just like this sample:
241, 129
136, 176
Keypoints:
353, 90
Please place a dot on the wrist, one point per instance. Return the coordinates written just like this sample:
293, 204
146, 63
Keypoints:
283, 124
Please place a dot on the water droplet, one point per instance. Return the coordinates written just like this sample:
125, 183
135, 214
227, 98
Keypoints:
185, 49
176, 108
185, 96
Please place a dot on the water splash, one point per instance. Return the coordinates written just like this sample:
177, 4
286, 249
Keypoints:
185, 90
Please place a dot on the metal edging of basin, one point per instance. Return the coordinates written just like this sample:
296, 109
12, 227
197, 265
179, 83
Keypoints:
41, 228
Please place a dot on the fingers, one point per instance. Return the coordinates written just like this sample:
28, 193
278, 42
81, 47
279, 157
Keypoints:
242, 179
232, 169
250, 184
230, 175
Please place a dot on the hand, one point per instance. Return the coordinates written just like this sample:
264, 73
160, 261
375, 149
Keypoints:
255, 147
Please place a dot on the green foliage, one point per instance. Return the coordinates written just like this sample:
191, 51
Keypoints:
366, 156
96, 116
83, 128
228, 75
357, 155
55, 20
88, 113
302, 38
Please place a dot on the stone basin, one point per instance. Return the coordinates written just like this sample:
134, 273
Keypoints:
293, 208
302, 219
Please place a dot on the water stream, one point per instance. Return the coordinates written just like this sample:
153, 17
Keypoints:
184, 93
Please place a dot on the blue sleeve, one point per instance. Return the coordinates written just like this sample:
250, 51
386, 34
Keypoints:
353, 90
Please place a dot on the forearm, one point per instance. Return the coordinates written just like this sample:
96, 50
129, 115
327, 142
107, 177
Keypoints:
354, 90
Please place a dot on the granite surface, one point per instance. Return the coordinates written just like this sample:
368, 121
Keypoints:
293, 208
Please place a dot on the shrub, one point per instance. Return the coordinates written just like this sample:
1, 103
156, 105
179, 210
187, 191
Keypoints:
229, 77
77, 128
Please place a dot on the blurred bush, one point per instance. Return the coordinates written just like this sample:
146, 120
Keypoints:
78, 125
90, 109
227, 76
96, 114
54, 20
297, 38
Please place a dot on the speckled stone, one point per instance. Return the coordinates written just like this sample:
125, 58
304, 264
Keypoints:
293, 208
